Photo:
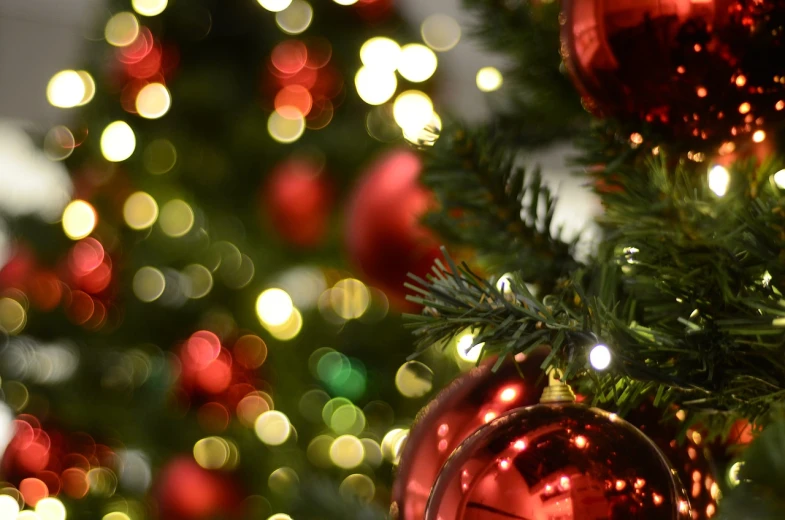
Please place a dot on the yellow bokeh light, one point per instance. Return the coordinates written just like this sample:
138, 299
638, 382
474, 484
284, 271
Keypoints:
489, 79
153, 101
200, 281
79, 219
380, 52
118, 141
275, 5
9, 507
148, 284
357, 486
274, 307
288, 330
719, 180
273, 428
465, 347
318, 451
122, 29
212, 452
345, 2
116, 515
426, 136
417, 62
412, 110
392, 444
414, 379
160, 156
440, 32
347, 452
350, 298
375, 85
89, 86
283, 481
286, 128
177, 218
149, 7
66, 89
296, 18
279, 516
779, 179
373, 452
140, 210
28, 515
50, 508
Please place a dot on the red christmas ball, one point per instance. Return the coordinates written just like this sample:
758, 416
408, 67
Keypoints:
186, 491
297, 200
384, 236
472, 400
557, 461
699, 71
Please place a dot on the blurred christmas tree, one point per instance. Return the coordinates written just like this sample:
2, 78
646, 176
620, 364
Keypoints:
187, 339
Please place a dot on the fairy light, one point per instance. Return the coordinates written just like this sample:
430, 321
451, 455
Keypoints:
286, 126
412, 111
345, 2
148, 284
375, 85
273, 428
417, 62
122, 29
118, 142
50, 508
600, 357
719, 180
274, 307
149, 7
79, 219
66, 89
380, 52
440, 32
275, 6
759, 136
466, 349
9, 507
779, 179
347, 452
296, 18
489, 79
140, 210
153, 101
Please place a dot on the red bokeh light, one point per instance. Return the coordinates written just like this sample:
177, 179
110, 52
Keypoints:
293, 101
289, 57
202, 348
33, 490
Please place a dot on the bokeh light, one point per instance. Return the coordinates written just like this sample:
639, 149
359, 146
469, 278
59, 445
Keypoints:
160, 156
375, 85
89, 86
412, 110
59, 143
251, 407
118, 141
153, 101
79, 219
414, 379
286, 127
28, 515
66, 89
122, 29
296, 18
392, 444
250, 351
465, 347
199, 281
33, 490
283, 481
273, 428
149, 7
274, 307
148, 284
350, 298
13, 316
489, 79
426, 136
779, 179
9, 507
600, 357
212, 452
318, 451
347, 452
417, 62
140, 210
116, 515
345, 2
288, 330
380, 52
50, 509
347, 419
719, 180
373, 452
280, 516
359, 487
440, 32
177, 218
275, 5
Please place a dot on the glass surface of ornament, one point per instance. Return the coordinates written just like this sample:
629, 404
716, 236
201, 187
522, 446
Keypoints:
558, 462
698, 71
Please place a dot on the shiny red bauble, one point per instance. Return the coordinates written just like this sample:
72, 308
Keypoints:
558, 461
186, 491
700, 71
384, 237
298, 199
471, 401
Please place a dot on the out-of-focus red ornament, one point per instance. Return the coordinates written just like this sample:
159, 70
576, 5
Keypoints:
383, 234
471, 401
700, 71
186, 491
298, 199
558, 461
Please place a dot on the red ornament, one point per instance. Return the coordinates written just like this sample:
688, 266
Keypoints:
557, 461
186, 491
699, 71
384, 236
472, 400
298, 199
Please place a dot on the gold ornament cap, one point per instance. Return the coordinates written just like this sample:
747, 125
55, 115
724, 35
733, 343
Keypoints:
556, 391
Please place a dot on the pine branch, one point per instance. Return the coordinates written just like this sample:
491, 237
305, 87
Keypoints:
491, 205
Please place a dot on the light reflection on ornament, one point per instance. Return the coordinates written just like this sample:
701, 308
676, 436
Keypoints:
489, 79
375, 85
417, 62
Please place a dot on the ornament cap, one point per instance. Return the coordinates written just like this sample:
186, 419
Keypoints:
557, 391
